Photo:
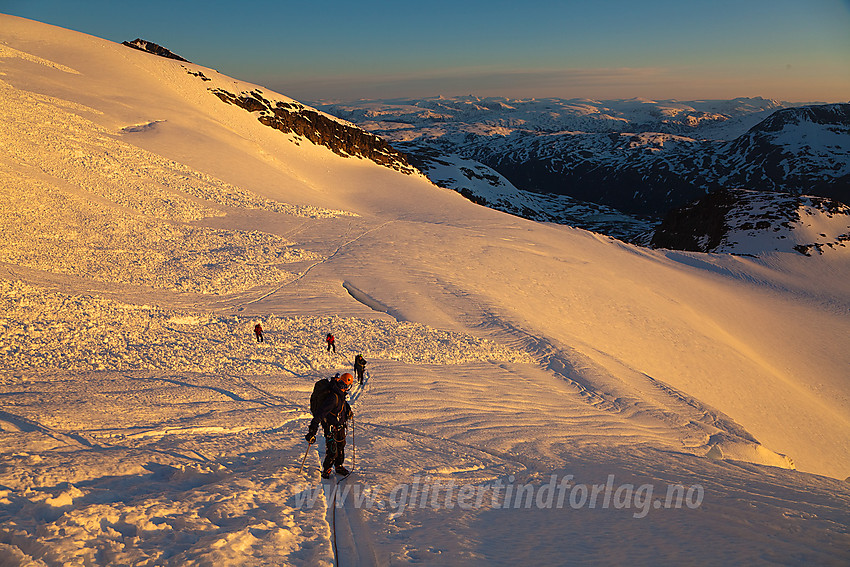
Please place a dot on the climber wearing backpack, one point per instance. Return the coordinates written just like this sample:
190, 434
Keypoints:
258, 332
359, 367
329, 408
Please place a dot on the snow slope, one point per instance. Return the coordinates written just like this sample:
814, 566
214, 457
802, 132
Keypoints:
537, 394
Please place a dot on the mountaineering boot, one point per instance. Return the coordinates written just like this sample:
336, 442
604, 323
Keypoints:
326, 474
341, 470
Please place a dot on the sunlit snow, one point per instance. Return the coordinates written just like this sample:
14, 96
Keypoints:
536, 394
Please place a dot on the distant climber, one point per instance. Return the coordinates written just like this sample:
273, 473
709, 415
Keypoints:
359, 367
331, 343
333, 412
258, 332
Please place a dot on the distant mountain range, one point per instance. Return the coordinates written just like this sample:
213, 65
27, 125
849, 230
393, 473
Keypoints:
615, 166
429, 118
638, 156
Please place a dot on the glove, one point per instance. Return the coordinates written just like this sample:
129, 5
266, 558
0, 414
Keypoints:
311, 436
350, 414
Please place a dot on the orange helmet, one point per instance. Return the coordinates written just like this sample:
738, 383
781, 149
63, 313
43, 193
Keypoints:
346, 380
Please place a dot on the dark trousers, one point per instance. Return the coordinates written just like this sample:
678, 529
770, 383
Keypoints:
259, 337
334, 447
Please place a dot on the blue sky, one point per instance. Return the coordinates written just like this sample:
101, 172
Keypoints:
606, 49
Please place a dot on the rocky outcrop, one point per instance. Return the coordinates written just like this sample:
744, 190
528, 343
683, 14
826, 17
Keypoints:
753, 223
150, 47
698, 226
341, 138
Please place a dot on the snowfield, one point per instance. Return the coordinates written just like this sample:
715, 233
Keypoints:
80, 332
536, 394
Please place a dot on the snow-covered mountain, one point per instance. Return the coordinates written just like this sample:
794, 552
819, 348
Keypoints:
642, 157
802, 150
438, 117
536, 393
748, 222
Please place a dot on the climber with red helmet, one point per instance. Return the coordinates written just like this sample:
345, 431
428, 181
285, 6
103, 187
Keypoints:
333, 413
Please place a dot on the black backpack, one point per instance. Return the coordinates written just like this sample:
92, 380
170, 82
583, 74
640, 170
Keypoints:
321, 389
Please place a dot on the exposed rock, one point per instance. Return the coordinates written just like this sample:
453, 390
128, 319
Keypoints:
698, 227
752, 223
150, 47
343, 139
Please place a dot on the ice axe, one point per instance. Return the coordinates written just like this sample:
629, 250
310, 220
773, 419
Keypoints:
304, 460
